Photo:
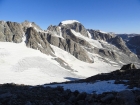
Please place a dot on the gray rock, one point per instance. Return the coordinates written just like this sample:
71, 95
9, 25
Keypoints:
38, 41
108, 97
5, 32
126, 97
72, 98
28, 103
11, 31
96, 34
128, 67
110, 38
138, 98
78, 27
5, 95
17, 31
81, 102
26, 24
70, 46
81, 96
118, 42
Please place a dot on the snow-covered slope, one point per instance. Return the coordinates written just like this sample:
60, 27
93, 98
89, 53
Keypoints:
83, 68
23, 65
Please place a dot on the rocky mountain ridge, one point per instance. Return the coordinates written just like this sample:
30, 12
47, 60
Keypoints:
132, 42
72, 37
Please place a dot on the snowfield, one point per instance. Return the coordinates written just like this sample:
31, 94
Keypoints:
69, 22
22, 65
98, 87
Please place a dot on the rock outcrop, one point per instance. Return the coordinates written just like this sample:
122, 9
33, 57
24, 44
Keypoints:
37, 40
70, 46
76, 26
26, 24
11, 32
128, 67
110, 38
96, 34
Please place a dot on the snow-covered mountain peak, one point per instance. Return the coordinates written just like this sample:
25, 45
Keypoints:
69, 22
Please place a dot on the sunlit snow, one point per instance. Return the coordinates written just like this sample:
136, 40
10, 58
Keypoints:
22, 65
69, 22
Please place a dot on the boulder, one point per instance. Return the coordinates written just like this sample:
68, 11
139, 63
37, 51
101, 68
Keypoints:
126, 97
128, 67
108, 98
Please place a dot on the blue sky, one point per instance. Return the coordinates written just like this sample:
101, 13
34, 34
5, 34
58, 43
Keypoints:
119, 16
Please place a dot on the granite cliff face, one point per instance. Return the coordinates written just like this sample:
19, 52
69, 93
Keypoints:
11, 32
38, 41
111, 46
76, 26
110, 38
132, 42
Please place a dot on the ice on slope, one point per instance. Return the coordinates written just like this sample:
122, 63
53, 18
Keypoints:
69, 22
97, 87
23, 65
89, 35
83, 68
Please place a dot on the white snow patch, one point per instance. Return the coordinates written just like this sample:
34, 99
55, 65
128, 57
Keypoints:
30, 24
60, 33
97, 87
102, 32
22, 65
69, 22
89, 35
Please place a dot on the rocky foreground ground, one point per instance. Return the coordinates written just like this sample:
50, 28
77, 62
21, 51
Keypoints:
12, 94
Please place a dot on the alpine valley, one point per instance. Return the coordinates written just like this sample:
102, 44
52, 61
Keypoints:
67, 64
64, 52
